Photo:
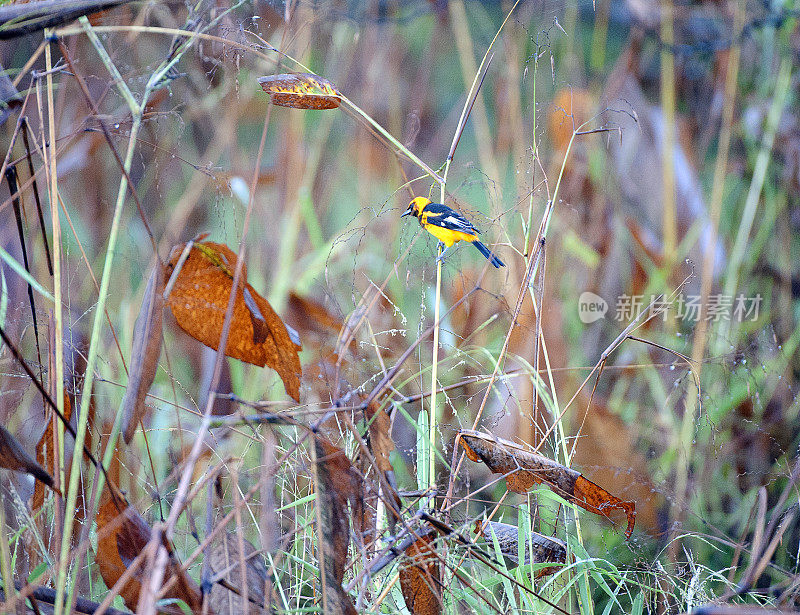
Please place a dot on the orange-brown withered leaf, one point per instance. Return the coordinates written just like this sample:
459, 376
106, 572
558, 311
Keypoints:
199, 299
301, 91
14, 457
146, 349
45, 454
419, 578
523, 469
122, 534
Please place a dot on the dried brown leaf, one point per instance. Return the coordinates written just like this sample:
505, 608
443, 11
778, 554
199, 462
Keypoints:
122, 534
315, 321
523, 469
25, 18
419, 578
45, 454
546, 549
301, 91
224, 559
199, 300
144, 354
381, 444
14, 457
312, 316
380, 441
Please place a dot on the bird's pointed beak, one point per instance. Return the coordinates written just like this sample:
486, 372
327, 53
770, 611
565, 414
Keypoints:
408, 211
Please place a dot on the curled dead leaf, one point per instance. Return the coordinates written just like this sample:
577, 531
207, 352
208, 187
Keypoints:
14, 457
419, 577
380, 440
146, 350
122, 534
44, 453
523, 469
544, 549
199, 299
381, 444
226, 592
301, 91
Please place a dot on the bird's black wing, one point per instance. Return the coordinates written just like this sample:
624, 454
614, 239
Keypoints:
442, 215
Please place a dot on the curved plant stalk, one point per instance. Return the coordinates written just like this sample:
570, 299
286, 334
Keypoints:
392, 140
210, 37
189, 34
533, 263
302, 210
183, 496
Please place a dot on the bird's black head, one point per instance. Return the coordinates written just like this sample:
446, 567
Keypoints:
416, 206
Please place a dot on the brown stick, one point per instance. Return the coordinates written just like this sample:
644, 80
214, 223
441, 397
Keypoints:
48, 596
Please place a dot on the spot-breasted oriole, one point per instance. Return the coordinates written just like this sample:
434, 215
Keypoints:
448, 226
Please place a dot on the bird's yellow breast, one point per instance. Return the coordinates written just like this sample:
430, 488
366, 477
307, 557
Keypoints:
445, 235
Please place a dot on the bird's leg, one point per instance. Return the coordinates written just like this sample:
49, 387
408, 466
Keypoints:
441, 254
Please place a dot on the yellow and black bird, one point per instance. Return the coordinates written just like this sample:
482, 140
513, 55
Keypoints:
448, 226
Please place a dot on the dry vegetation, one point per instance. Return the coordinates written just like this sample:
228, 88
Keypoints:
607, 424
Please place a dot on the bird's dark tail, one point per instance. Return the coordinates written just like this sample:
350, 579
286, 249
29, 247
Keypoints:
488, 254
